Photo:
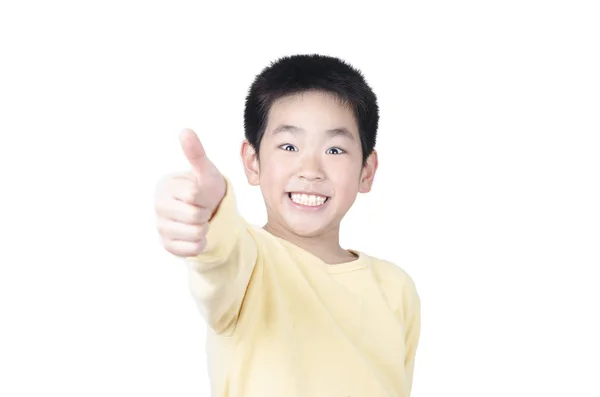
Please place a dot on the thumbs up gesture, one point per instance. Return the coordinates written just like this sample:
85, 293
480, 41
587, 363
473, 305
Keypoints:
185, 202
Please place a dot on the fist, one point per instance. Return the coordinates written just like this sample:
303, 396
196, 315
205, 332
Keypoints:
185, 202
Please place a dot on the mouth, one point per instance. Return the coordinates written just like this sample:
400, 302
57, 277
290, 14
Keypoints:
308, 200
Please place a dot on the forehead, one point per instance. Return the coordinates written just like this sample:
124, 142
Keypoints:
311, 111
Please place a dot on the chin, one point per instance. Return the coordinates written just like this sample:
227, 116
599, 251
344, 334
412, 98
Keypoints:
306, 231
307, 227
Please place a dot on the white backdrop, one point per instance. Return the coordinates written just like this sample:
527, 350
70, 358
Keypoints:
487, 193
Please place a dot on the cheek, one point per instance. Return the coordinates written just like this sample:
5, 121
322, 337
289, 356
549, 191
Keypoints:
273, 174
345, 179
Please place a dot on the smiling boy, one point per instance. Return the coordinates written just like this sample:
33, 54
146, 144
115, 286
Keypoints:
289, 311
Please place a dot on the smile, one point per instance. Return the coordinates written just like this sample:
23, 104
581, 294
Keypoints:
308, 200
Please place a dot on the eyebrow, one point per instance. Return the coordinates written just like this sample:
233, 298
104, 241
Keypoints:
342, 131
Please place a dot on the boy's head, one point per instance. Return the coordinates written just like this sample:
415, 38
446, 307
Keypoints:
311, 125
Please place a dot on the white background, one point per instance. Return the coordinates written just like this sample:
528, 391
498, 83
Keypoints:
488, 192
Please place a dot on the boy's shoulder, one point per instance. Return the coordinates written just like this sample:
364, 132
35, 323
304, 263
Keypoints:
396, 284
389, 272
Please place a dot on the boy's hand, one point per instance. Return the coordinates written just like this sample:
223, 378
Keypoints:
185, 202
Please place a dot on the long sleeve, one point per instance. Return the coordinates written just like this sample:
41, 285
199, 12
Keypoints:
219, 276
412, 323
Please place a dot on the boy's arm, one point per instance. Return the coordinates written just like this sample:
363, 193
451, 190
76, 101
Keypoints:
219, 276
401, 294
198, 220
412, 325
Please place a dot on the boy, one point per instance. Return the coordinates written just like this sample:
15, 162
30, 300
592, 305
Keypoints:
290, 312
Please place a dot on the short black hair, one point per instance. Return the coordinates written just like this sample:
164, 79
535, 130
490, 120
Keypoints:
295, 74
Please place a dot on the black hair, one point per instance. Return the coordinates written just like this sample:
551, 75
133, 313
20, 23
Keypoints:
295, 74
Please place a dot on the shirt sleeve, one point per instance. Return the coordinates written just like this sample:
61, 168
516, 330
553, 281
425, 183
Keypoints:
219, 276
412, 325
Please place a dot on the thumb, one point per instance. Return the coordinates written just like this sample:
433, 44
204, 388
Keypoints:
193, 150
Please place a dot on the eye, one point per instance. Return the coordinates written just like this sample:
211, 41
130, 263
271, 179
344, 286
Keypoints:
335, 150
288, 147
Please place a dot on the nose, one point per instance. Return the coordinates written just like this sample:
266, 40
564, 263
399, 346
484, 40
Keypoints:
311, 168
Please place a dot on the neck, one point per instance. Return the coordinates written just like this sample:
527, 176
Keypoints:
325, 246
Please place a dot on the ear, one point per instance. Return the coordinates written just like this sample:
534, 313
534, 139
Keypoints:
250, 161
368, 173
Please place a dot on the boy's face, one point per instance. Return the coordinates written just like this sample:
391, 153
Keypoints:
310, 168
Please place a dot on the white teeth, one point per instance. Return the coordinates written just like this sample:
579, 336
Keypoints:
308, 199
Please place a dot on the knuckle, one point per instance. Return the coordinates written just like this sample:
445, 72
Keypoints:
196, 215
206, 184
186, 189
200, 232
189, 193
199, 247
169, 246
184, 249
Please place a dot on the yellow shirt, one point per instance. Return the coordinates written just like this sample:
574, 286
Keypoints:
283, 323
